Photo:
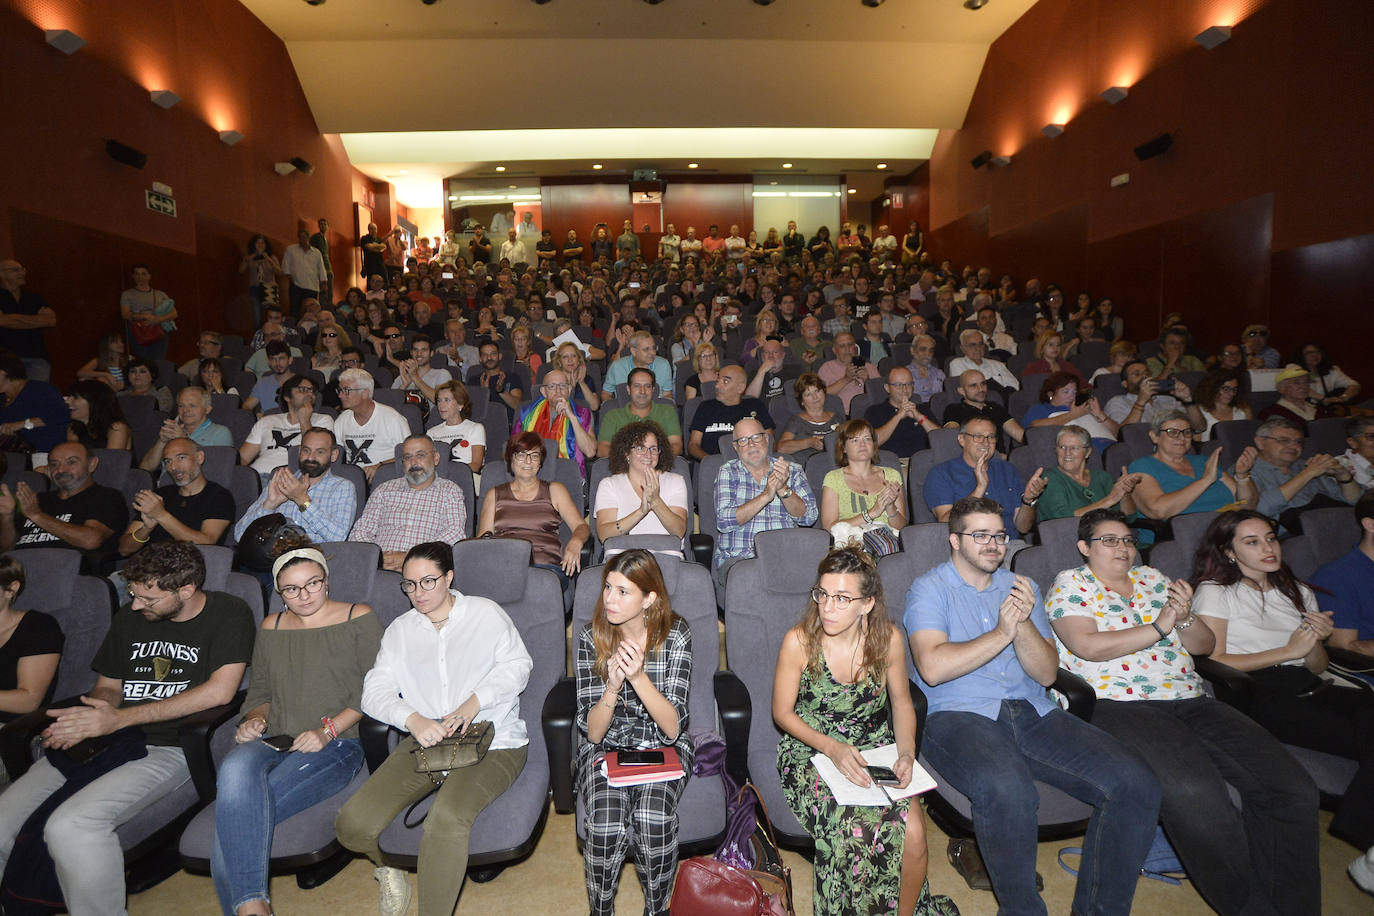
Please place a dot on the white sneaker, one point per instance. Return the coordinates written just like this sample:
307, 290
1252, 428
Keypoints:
395, 892
1362, 871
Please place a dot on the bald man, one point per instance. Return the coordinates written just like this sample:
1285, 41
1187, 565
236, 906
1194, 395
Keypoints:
717, 417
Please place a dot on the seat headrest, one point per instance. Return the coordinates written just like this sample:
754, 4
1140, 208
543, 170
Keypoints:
494, 568
789, 557
51, 573
218, 563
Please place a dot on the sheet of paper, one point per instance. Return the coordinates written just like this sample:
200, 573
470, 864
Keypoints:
846, 793
569, 337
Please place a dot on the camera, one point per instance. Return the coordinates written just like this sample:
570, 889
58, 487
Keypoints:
1165, 385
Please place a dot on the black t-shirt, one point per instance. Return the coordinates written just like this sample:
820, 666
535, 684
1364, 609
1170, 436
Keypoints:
372, 260
963, 411
26, 342
192, 511
35, 634
510, 382
156, 660
548, 247
715, 419
907, 439
95, 503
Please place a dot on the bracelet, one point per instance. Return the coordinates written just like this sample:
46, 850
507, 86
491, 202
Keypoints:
139, 539
1162, 634
1029, 504
610, 706
1240, 479
329, 727
1186, 622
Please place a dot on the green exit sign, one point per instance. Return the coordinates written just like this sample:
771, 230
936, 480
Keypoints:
161, 203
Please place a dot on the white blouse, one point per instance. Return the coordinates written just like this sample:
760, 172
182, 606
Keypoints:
1255, 621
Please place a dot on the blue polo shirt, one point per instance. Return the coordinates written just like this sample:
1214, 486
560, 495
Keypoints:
1348, 583
953, 480
942, 600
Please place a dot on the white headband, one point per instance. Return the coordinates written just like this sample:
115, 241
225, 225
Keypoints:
300, 553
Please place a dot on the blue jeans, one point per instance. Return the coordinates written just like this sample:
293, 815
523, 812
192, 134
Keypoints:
994, 764
259, 787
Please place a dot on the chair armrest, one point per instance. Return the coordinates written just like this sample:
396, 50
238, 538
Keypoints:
1081, 697
17, 737
921, 703
588, 546
703, 548
1350, 660
195, 732
560, 709
736, 711
373, 733
1229, 685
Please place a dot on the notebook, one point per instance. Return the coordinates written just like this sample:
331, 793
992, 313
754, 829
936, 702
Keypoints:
846, 793
619, 775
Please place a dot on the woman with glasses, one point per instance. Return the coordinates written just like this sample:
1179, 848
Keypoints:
686, 337
329, 345
1174, 481
449, 661
642, 495
298, 739
1131, 634
634, 669
532, 509
706, 368
840, 672
865, 498
805, 432
1074, 489
1221, 396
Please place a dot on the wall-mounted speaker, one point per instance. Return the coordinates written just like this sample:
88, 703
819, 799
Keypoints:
645, 175
981, 159
302, 166
1156, 147
126, 154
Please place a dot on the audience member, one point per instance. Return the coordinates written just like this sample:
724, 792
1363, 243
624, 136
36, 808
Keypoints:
96, 419
847, 375
1288, 483
641, 406
899, 425
847, 510
24, 315
1074, 489
146, 313
110, 364
756, 492
1060, 404
1359, 457
974, 404
418, 507
191, 508
1346, 585
1294, 385
810, 347
805, 432
979, 473
1220, 397
349, 358
644, 355
1173, 356
1255, 343
1119, 355
1146, 398
461, 354
868, 859
1174, 481
304, 264
368, 432
191, 422
505, 389
643, 495
465, 438
555, 417
34, 417
1131, 634
316, 501
30, 651
717, 416
532, 509
983, 646
265, 448
431, 681
1331, 387
264, 393
995, 373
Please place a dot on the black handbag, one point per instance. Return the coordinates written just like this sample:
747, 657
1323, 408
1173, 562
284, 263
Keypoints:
258, 547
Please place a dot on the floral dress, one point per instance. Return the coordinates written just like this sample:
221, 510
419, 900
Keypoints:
858, 861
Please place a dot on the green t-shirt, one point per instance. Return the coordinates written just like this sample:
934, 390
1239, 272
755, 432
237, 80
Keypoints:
156, 660
662, 414
1063, 495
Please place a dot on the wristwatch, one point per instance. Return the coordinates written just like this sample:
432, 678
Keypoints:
28, 423
785, 493
304, 505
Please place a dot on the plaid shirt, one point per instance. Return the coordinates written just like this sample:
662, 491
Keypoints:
397, 516
332, 503
735, 486
669, 668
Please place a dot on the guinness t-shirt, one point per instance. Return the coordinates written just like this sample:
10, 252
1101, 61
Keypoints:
159, 659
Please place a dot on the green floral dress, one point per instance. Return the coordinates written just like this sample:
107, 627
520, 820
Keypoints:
858, 848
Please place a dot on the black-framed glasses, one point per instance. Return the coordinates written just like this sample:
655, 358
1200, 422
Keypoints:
394, 336
821, 596
981, 538
752, 439
1176, 432
311, 587
425, 584
1113, 541
329, 334
646, 449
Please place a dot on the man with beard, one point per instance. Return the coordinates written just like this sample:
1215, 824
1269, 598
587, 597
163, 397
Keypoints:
265, 448
79, 513
191, 508
175, 650
320, 503
410, 510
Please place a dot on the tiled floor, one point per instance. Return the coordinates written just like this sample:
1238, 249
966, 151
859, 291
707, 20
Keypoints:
550, 882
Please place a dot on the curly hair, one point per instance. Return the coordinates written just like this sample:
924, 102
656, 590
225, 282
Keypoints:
640, 567
167, 565
633, 434
877, 629
1210, 387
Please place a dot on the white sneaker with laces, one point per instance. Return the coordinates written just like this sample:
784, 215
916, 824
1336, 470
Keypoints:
1362, 871
395, 892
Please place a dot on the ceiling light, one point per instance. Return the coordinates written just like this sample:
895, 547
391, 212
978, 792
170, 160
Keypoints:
511, 186
64, 40
653, 2
230, 137
453, 197
1215, 35
541, 2
500, 168
597, 166
164, 98
1114, 94
1052, 130
691, 165
852, 191
763, 2
882, 165
772, 182
483, 197
975, 4
787, 165
813, 193
403, 172
1001, 161
770, 193
314, 2
981, 159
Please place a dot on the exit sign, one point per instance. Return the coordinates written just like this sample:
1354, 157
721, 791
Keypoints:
161, 203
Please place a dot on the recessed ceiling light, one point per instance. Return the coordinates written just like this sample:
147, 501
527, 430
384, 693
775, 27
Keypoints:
691, 165
511, 186
787, 165
882, 165
597, 166
975, 4
403, 172
500, 168
852, 191
772, 182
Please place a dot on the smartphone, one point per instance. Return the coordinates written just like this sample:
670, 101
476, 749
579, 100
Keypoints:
634, 284
858, 362
1083, 396
883, 776
446, 275
1165, 385
279, 742
722, 299
639, 758
550, 314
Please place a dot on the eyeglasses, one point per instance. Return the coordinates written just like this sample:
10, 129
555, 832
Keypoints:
394, 336
1285, 440
646, 450
330, 334
1256, 333
1176, 432
351, 390
312, 587
981, 437
1113, 541
983, 537
559, 386
754, 439
305, 389
426, 584
145, 600
526, 456
1230, 389
842, 602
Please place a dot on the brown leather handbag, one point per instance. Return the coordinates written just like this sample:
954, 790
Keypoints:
706, 886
